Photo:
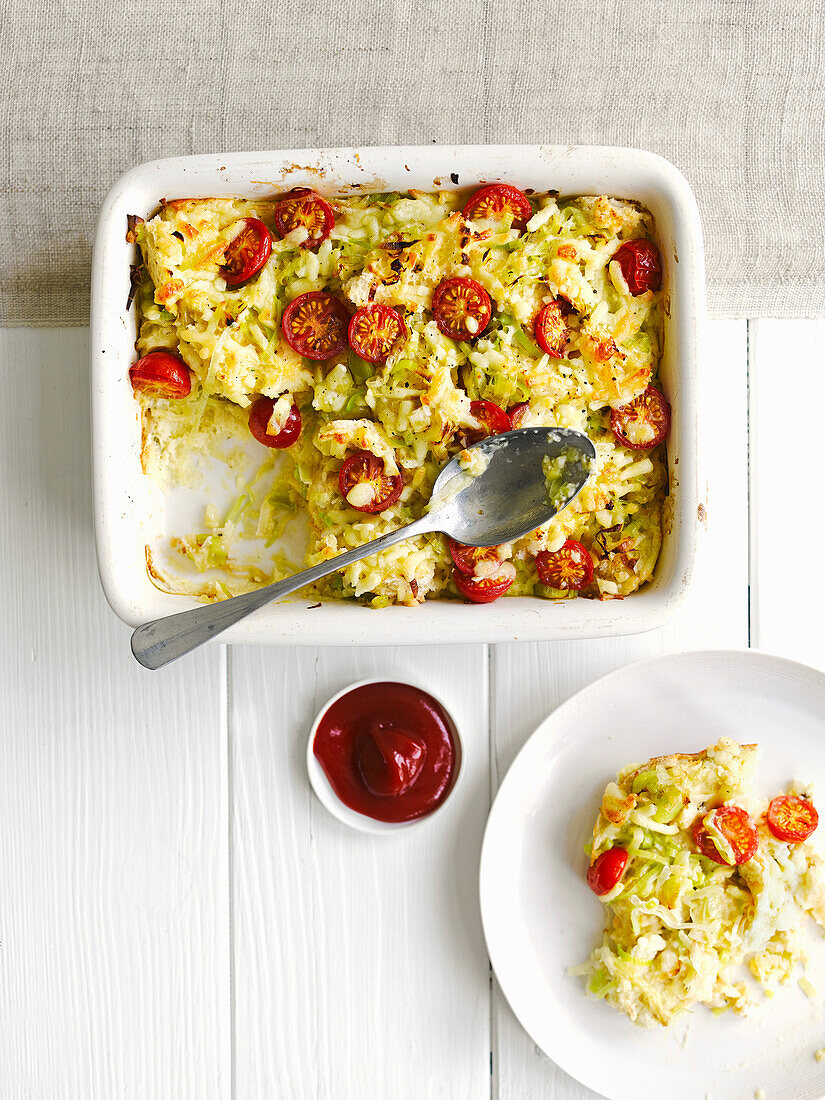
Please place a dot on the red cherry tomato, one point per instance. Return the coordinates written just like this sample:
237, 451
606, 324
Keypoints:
493, 419
569, 568
550, 330
517, 413
365, 468
644, 422
305, 209
259, 416
461, 308
641, 265
792, 819
484, 589
161, 374
607, 870
497, 199
315, 325
246, 253
736, 827
467, 558
375, 331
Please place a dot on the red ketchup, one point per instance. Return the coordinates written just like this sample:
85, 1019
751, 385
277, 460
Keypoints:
388, 751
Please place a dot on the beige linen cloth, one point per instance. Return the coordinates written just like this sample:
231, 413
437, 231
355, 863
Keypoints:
731, 91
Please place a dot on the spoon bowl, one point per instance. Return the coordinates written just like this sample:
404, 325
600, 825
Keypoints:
519, 489
493, 492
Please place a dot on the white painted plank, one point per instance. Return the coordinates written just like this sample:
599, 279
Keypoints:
787, 524
528, 681
359, 965
114, 961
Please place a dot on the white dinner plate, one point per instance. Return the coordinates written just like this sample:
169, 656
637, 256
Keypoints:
540, 917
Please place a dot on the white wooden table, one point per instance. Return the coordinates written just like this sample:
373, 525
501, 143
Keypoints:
178, 916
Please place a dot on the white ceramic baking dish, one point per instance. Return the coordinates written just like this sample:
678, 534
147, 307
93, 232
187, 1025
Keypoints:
130, 512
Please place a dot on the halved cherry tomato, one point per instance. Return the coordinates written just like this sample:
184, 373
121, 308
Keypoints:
792, 819
247, 252
517, 412
497, 199
305, 209
374, 332
736, 827
493, 419
461, 308
606, 871
644, 422
467, 558
161, 374
569, 568
363, 468
485, 589
641, 265
315, 325
550, 330
259, 416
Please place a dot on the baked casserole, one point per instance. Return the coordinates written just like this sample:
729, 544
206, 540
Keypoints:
333, 354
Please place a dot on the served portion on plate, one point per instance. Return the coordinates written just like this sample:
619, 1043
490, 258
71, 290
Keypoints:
698, 876
334, 353
540, 916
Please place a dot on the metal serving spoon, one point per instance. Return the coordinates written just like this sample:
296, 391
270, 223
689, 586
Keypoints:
508, 499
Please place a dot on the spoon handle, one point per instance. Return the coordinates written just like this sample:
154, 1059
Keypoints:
163, 640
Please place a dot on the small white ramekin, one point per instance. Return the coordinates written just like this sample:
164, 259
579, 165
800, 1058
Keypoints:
327, 796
